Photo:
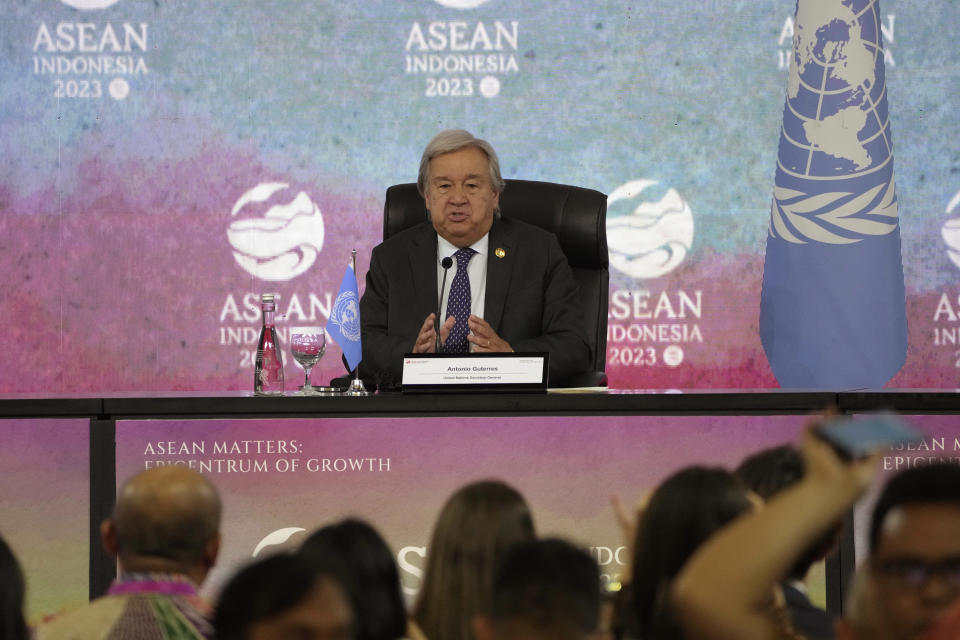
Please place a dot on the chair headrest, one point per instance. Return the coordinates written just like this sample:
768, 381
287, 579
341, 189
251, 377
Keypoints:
577, 216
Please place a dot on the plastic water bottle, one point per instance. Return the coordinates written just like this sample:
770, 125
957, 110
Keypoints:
268, 371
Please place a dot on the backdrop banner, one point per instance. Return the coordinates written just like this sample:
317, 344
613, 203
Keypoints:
45, 504
282, 479
165, 163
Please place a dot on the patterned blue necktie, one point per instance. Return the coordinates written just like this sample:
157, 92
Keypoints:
458, 303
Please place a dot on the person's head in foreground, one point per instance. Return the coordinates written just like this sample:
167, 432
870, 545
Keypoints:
282, 597
684, 511
914, 562
543, 590
770, 471
474, 530
12, 590
369, 575
461, 184
165, 520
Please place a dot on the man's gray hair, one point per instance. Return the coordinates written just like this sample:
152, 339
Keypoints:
451, 140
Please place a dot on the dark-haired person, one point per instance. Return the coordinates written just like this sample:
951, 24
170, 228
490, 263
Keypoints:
543, 590
12, 590
914, 560
909, 586
682, 513
516, 291
369, 573
767, 473
282, 597
476, 527
165, 532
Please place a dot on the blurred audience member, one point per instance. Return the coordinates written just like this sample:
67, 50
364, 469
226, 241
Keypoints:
543, 590
767, 473
370, 576
728, 588
914, 559
165, 532
283, 597
12, 589
474, 530
685, 510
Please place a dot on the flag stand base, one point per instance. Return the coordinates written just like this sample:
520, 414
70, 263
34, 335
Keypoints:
356, 388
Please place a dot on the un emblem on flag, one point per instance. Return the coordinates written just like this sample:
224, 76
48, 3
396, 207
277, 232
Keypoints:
346, 315
834, 181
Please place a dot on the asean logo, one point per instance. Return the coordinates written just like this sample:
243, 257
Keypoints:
653, 238
280, 243
461, 4
89, 5
346, 315
951, 231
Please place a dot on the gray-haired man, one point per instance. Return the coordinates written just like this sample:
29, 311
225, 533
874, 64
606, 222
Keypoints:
511, 287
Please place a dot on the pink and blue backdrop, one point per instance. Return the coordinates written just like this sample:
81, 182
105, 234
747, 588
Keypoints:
165, 163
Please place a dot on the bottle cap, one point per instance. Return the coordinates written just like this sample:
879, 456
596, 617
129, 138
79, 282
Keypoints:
266, 297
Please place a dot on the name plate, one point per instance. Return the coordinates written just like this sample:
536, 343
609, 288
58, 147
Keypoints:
479, 372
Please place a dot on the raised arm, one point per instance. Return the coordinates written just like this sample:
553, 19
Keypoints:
725, 590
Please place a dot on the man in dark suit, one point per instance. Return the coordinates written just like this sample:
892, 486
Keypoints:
510, 286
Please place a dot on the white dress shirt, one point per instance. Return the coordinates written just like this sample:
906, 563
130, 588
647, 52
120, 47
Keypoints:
477, 270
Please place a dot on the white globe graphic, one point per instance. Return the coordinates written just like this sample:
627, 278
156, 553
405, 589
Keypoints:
655, 237
461, 4
89, 5
281, 243
951, 231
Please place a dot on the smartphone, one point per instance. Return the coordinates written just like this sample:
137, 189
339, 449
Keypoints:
857, 438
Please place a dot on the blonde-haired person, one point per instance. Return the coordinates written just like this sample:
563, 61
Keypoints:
475, 528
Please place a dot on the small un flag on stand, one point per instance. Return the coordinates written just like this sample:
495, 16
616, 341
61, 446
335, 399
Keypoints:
344, 325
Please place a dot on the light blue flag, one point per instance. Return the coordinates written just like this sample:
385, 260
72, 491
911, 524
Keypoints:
832, 312
344, 322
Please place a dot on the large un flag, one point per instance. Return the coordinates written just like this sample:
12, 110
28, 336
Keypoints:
832, 313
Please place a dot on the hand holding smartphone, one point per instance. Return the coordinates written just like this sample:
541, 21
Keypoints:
853, 439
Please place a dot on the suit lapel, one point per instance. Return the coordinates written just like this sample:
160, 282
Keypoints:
499, 271
423, 271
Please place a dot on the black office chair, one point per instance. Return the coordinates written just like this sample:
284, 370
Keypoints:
577, 216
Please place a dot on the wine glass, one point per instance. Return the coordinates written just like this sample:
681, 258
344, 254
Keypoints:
307, 345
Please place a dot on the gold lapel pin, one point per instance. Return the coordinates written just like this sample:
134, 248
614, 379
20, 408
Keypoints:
500, 252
